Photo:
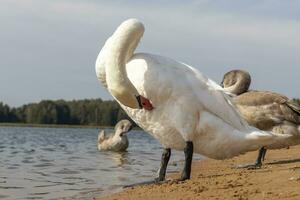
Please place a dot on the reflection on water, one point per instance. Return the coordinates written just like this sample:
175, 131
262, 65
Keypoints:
52, 163
120, 158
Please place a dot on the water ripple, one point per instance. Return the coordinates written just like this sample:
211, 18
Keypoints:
66, 171
44, 165
53, 163
11, 187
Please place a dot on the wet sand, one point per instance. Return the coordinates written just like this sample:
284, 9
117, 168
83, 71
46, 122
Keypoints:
279, 178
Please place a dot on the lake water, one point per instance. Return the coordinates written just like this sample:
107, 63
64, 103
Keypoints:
64, 163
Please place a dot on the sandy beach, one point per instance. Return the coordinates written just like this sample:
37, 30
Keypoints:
279, 178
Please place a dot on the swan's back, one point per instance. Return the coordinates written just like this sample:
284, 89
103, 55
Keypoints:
164, 81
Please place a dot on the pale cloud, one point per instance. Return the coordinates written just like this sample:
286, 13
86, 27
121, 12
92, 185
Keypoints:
50, 46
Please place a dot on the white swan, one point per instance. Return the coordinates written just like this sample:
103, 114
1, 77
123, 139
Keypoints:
265, 110
174, 102
117, 141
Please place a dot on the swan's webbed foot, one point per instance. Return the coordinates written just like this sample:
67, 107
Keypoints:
145, 183
257, 165
188, 152
160, 180
249, 166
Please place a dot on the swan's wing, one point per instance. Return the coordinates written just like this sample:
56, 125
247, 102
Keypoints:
216, 101
295, 114
295, 107
281, 107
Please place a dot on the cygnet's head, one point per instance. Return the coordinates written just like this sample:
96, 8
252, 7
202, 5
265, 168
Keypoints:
123, 127
236, 81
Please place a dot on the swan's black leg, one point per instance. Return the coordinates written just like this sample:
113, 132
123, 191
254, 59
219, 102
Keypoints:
163, 165
260, 157
258, 163
186, 173
161, 172
188, 153
263, 154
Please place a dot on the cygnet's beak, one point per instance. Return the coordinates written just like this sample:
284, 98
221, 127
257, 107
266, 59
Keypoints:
144, 103
123, 133
222, 84
130, 127
126, 131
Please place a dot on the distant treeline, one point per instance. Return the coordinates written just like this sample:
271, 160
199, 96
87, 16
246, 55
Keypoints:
76, 112
297, 101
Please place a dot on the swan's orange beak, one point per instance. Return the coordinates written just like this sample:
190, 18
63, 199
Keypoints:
145, 103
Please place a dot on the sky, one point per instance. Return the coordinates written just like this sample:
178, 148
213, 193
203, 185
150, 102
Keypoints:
48, 48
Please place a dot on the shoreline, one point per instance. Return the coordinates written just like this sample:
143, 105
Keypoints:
50, 125
57, 126
279, 178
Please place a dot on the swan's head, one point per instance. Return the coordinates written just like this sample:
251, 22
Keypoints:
123, 127
131, 98
236, 81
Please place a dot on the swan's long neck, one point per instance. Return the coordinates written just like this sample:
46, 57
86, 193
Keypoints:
119, 51
236, 82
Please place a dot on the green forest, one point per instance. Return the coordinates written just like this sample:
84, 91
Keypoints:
94, 112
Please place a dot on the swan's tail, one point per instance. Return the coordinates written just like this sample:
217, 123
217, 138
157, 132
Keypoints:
251, 141
257, 139
220, 140
266, 137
